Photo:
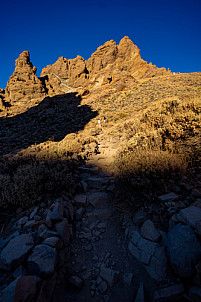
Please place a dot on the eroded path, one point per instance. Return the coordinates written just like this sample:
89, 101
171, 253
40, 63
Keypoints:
101, 267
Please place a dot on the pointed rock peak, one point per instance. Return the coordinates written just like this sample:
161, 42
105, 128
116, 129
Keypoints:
24, 59
125, 40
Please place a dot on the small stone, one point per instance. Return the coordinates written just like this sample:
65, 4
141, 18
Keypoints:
195, 293
48, 220
109, 275
54, 242
149, 231
33, 213
46, 234
23, 220
127, 279
84, 185
139, 217
168, 292
169, 196
79, 214
57, 213
102, 287
65, 230
30, 224
81, 199
76, 281
140, 294
88, 247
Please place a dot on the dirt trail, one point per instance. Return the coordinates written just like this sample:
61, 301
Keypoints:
100, 254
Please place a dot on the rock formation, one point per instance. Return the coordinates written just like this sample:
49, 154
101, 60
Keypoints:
110, 68
108, 65
24, 83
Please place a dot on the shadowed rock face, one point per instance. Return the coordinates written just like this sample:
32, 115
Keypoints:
24, 83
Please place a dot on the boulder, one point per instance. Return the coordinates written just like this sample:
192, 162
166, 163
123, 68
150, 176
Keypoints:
184, 250
42, 261
15, 251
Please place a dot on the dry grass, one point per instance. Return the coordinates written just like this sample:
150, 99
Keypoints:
25, 181
161, 144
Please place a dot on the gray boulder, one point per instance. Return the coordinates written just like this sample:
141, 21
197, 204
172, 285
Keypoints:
192, 217
15, 251
42, 261
184, 250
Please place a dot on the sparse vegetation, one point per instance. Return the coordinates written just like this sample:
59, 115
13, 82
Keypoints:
25, 181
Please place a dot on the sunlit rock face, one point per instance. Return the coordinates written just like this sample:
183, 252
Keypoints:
108, 65
24, 83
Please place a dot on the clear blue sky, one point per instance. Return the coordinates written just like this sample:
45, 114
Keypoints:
168, 32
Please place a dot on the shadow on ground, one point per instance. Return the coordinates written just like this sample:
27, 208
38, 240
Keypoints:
52, 119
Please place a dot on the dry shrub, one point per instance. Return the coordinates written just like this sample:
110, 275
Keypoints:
143, 173
25, 181
161, 143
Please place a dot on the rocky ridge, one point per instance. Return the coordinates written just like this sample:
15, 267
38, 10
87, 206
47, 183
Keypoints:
112, 67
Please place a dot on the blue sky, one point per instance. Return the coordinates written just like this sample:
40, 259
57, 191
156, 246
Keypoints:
168, 33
